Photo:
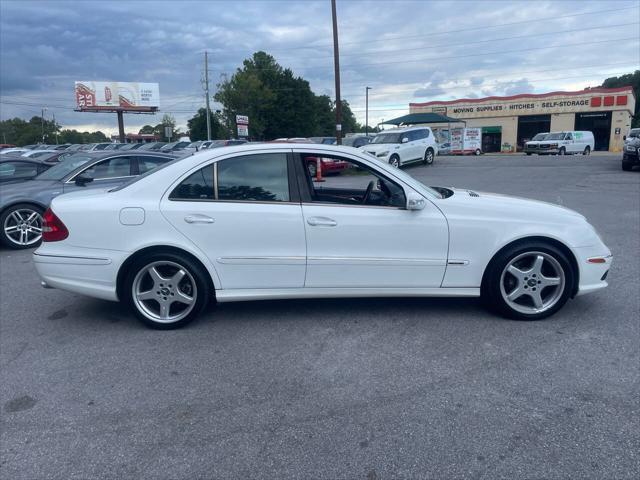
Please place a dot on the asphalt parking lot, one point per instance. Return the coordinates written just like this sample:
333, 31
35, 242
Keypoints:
372, 389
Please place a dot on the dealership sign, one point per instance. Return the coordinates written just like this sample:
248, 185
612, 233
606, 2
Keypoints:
92, 96
242, 122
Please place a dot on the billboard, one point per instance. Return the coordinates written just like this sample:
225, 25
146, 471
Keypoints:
95, 96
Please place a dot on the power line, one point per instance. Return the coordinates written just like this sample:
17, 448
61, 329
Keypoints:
440, 45
446, 32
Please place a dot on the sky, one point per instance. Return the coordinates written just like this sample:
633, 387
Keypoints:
406, 51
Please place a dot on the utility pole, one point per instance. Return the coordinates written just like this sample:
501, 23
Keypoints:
44, 109
366, 117
336, 63
206, 92
55, 128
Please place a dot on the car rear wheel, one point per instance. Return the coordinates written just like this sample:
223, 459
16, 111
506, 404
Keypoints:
477, 152
587, 150
394, 161
21, 226
528, 282
166, 290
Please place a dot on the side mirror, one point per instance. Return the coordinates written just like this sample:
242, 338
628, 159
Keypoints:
81, 180
405, 140
624, 137
415, 201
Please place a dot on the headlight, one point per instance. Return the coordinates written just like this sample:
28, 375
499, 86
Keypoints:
382, 154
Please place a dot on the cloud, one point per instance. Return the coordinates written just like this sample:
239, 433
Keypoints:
414, 50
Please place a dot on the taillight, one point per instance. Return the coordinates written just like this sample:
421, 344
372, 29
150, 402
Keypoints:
53, 230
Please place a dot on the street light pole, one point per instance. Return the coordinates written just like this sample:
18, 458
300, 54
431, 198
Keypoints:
206, 92
366, 118
336, 65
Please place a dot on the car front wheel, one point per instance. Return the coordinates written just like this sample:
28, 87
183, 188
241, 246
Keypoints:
428, 157
21, 226
528, 282
394, 161
166, 290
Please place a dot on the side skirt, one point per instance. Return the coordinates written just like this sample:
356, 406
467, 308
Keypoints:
234, 295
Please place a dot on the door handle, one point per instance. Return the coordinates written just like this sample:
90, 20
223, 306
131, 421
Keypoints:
321, 222
197, 218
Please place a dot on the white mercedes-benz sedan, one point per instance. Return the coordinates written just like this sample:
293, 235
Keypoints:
249, 222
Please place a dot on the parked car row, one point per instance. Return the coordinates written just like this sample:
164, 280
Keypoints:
561, 143
29, 185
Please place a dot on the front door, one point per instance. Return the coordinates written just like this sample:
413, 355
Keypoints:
359, 233
107, 173
242, 213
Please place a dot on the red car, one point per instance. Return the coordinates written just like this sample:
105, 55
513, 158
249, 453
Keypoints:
328, 165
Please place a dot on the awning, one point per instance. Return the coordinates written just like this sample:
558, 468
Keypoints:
491, 129
414, 118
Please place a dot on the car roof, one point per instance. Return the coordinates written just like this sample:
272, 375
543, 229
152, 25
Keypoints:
121, 153
401, 129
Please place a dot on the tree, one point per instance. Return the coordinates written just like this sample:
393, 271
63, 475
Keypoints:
628, 80
20, 132
277, 103
198, 126
147, 130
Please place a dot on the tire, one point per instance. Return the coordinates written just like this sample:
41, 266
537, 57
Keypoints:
428, 157
587, 150
627, 167
394, 161
519, 295
21, 226
478, 152
528, 153
313, 169
562, 151
167, 289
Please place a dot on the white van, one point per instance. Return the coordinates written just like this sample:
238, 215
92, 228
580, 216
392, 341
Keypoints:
567, 143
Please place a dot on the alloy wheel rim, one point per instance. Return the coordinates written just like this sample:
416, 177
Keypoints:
395, 162
429, 157
164, 292
532, 282
23, 227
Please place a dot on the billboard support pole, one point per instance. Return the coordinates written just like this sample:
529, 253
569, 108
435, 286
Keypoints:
121, 125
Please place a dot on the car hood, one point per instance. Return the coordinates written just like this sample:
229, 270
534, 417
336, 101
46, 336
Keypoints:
380, 147
506, 207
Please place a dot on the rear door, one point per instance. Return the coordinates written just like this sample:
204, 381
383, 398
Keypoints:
244, 213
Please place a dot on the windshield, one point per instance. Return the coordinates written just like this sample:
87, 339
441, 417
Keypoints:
540, 136
387, 138
555, 136
635, 132
62, 169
